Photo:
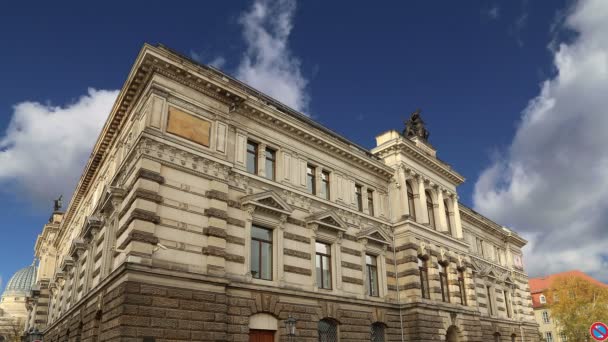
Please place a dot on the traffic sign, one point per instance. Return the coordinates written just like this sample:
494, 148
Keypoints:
599, 331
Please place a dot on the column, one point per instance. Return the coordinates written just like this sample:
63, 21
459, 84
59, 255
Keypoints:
403, 205
262, 160
422, 215
280, 247
457, 222
442, 223
90, 256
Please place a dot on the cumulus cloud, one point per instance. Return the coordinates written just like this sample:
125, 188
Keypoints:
268, 64
552, 182
492, 13
217, 62
45, 147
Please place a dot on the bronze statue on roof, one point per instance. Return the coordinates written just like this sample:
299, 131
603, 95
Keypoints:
414, 127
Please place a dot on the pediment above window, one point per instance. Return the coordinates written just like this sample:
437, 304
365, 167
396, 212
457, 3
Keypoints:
327, 219
376, 235
267, 201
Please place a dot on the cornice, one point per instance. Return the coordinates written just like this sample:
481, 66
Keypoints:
468, 214
271, 117
402, 145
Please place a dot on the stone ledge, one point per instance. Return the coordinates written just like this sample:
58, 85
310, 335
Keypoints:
139, 214
215, 231
235, 240
352, 280
351, 265
217, 213
297, 270
236, 222
150, 175
217, 195
296, 237
235, 258
215, 251
297, 254
350, 251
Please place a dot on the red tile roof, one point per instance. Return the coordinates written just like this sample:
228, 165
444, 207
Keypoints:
539, 285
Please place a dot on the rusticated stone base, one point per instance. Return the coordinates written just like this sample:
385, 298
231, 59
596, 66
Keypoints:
134, 310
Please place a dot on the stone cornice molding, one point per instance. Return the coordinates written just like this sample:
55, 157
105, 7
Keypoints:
478, 220
402, 145
269, 116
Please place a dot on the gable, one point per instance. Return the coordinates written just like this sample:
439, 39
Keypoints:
268, 201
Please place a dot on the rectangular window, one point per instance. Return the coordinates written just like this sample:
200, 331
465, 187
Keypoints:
359, 197
546, 319
424, 279
463, 292
252, 157
480, 247
271, 162
323, 260
489, 294
548, 336
310, 179
443, 281
325, 185
261, 253
507, 303
563, 337
371, 263
370, 202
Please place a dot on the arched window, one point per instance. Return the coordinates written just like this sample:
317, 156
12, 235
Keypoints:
542, 299
447, 217
424, 278
377, 332
410, 201
496, 337
514, 338
429, 209
328, 330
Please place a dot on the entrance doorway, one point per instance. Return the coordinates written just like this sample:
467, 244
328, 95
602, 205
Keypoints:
452, 335
261, 336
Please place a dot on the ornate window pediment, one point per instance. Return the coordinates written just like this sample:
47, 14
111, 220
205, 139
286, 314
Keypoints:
375, 234
78, 246
92, 225
268, 201
327, 219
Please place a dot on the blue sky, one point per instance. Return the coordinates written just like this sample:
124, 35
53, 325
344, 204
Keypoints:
473, 67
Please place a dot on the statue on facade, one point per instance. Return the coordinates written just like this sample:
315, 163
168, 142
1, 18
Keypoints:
414, 127
58, 204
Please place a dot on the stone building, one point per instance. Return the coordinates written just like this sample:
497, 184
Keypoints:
13, 310
550, 330
209, 211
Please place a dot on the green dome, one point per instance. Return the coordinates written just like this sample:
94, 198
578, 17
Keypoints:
21, 282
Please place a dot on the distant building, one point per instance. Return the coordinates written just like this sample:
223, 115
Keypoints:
13, 309
539, 288
209, 211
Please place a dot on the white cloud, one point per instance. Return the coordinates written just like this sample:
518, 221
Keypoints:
268, 64
44, 148
552, 183
217, 62
494, 12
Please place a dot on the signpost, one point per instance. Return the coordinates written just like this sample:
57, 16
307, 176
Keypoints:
599, 331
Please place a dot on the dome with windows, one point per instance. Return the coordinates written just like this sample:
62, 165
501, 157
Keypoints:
21, 282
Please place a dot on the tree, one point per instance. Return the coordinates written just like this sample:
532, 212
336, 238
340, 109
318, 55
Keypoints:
576, 303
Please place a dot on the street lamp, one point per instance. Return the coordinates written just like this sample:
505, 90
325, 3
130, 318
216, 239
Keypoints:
34, 335
290, 326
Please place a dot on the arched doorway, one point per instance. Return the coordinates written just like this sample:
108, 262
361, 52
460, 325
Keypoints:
262, 327
452, 334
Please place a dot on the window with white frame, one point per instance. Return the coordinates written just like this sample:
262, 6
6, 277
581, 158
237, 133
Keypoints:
371, 265
549, 336
542, 299
323, 263
546, 319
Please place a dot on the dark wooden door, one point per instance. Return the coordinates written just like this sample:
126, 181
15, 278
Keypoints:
261, 336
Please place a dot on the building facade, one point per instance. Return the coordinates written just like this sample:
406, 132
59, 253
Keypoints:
549, 328
211, 212
13, 309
